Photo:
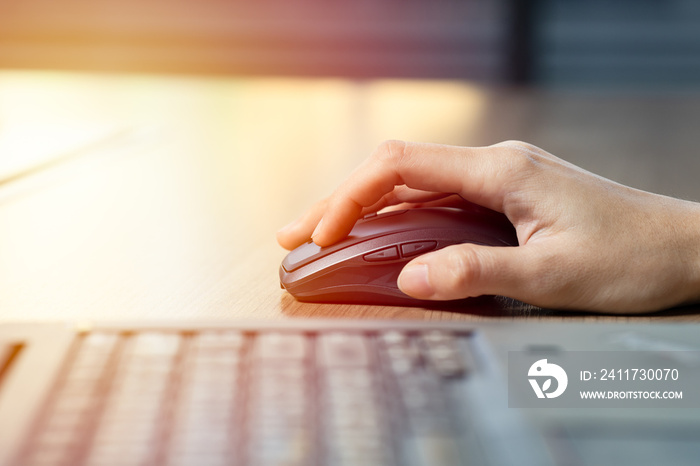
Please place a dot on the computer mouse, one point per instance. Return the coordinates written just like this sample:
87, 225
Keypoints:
364, 267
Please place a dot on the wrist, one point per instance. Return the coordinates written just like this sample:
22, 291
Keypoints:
690, 244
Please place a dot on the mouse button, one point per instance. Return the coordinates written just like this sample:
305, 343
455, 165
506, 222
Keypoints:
382, 224
310, 252
301, 256
385, 254
417, 247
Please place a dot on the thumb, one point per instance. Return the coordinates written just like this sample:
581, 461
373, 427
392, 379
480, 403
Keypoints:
467, 270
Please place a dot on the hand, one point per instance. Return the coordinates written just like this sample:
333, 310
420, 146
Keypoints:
585, 242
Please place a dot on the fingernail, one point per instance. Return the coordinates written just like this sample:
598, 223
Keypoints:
317, 230
414, 281
287, 227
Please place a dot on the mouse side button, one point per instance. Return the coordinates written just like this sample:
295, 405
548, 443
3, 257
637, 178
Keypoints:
417, 247
385, 254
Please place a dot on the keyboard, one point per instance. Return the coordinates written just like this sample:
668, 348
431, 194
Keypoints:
370, 397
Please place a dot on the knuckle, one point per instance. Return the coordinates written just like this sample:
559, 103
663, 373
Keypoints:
391, 151
521, 146
519, 156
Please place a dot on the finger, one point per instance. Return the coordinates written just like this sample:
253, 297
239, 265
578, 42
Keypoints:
404, 195
447, 201
469, 270
476, 174
299, 231
452, 200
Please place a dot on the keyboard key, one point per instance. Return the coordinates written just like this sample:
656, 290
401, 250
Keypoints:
217, 339
401, 351
66, 422
46, 456
443, 354
151, 344
345, 379
394, 337
343, 350
281, 346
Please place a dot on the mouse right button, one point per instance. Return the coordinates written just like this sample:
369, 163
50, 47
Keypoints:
417, 247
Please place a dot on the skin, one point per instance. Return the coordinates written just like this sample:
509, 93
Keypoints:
585, 242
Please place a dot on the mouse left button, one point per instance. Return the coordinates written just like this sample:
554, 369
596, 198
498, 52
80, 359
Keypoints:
301, 256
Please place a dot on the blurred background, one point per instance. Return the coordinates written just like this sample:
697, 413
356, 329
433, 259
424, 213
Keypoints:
550, 43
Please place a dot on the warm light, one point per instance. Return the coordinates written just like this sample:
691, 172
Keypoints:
167, 184
47, 116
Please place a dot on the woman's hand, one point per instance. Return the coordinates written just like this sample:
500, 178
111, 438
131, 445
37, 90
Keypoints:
586, 242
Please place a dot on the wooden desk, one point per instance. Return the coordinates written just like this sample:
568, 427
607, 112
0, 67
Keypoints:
168, 210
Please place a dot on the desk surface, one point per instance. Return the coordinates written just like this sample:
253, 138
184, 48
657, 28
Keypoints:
165, 202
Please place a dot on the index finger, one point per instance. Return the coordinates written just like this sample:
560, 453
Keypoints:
476, 174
